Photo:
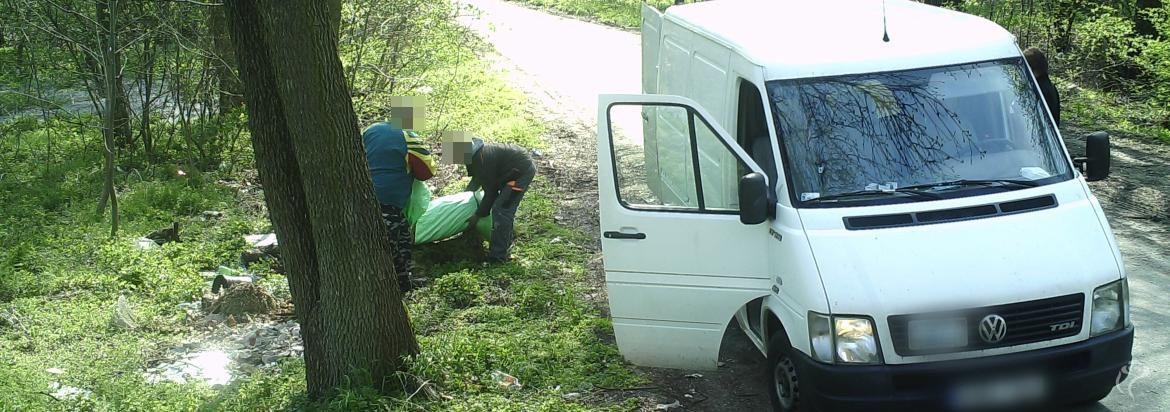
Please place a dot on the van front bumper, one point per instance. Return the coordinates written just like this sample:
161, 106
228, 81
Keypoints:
1077, 372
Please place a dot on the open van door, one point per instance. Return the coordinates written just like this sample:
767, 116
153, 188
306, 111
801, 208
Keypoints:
678, 261
651, 39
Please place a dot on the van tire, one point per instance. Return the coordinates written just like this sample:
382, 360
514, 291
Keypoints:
783, 383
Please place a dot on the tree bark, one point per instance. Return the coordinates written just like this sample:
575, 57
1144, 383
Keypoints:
111, 78
230, 93
307, 142
116, 98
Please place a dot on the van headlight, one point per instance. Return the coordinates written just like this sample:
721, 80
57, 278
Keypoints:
842, 339
1109, 307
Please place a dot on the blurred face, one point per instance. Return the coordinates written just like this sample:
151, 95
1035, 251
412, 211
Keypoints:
456, 148
407, 112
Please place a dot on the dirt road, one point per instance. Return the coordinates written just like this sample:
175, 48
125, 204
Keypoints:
563, 64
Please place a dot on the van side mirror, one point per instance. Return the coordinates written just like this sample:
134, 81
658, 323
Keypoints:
1096, 162
753, 199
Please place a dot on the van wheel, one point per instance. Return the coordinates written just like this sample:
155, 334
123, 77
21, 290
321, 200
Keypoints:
782, 380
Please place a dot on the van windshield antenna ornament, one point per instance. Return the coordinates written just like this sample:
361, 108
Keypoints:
885, 29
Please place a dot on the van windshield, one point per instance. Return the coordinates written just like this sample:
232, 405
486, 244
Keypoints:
915, 135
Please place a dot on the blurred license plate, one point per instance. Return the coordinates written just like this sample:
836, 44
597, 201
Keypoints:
936, 334
1019, 390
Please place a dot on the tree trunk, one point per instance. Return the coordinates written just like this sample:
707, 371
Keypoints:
230, 94
111, 78
306, 140
333, 14
148, 58
116, 98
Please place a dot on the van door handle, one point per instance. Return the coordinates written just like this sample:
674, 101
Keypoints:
620, 235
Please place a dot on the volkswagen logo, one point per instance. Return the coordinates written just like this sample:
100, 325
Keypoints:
992, 328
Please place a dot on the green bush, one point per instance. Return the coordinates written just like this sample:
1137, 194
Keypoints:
1103, 50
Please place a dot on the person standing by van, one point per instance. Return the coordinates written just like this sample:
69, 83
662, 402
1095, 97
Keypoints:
396, 157
1039, 64
504, 172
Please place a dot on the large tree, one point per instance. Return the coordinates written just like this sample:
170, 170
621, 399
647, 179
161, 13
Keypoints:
309, 154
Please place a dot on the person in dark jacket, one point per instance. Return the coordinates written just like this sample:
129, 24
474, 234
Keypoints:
396, 157
504, 172
1039, 64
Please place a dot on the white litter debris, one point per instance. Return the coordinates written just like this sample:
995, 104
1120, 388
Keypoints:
572, 396
124, 315
221, 353
55, 371
261, 241
65, 393
667, 406
694, 376
506, 381
144, 243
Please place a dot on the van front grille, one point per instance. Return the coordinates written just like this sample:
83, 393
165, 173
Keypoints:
1026, 322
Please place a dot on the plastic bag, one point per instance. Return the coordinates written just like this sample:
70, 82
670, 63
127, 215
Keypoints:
420, 200
447, 216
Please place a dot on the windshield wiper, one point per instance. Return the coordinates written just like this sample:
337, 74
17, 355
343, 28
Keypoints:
913, 192
1005, 183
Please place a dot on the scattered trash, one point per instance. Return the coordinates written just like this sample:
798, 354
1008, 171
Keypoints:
572, 396
143, 243
226, 278
667, 406
211, 214
721, 364
243, 298
123, 318
261, 247
261, 241
537, 153
213, 319
219, 354
695, 376
555, 240
506, 381
55, 371
688, 396
167, 235
65, 393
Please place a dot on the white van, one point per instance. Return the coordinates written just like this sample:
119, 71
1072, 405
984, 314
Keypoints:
879, 198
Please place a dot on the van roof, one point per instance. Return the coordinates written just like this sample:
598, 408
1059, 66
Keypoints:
798, 39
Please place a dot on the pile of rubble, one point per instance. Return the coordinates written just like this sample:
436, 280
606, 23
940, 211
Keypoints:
237, 329
219, 353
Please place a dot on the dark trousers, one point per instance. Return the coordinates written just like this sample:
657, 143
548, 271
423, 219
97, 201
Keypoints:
504, 217
401, 239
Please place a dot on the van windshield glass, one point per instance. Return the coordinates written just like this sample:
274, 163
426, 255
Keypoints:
888, 137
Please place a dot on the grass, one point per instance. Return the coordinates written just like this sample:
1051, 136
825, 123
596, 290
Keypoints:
60, 275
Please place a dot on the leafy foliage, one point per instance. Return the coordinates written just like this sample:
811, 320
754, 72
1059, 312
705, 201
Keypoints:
60, 273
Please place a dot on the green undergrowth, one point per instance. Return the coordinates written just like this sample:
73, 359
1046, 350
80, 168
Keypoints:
1117, 114
626, 14
61, 274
